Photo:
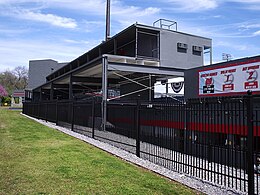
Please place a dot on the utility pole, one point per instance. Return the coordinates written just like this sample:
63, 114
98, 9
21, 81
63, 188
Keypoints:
108, 20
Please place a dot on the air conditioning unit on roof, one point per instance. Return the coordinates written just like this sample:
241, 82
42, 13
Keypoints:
197, 48
182, 45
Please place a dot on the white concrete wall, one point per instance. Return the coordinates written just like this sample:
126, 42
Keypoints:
170, 57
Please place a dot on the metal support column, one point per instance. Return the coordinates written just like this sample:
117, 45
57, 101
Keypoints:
136, 43
137, 126
115, 47
51, 92
108, 20
93, 117
210, 60
40, 94
104, 92
150, 87
70, 88
167, 88
250, 143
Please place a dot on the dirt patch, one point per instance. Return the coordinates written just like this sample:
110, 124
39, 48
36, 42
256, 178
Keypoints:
2, 125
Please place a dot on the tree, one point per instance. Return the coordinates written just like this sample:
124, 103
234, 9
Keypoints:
3, 92
15, 79
21, 73
8, 79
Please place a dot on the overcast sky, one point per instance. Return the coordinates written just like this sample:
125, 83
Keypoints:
65, 29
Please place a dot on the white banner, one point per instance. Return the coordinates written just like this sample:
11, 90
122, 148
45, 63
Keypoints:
233, 79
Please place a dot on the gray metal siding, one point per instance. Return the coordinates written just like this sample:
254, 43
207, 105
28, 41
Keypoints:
39, 69
191, 86
170, 57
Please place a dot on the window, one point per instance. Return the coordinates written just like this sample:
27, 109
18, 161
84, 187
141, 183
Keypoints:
182, 47
196, 50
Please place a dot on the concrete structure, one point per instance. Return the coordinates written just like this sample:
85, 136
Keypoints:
39, 70
181, 50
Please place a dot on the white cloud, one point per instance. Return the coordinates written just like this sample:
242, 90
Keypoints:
119, 9
257, 33
76, 41
247, 1
249, 25
46, 18
234, 46
18, 52
200, 5
193, 6
90, 26
249, 4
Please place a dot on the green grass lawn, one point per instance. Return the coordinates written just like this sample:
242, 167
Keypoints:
35, 159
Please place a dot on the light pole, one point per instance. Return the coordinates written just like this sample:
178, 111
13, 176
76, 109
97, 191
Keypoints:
108, 20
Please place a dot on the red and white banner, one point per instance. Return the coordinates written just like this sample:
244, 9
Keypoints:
230, 80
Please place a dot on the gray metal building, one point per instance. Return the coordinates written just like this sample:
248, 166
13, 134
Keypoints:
130, 62
39, 70
134, 52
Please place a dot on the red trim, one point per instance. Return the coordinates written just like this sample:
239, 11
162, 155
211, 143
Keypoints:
229, 65
163, 123
227, 94
122, 120
193, 126
18, 94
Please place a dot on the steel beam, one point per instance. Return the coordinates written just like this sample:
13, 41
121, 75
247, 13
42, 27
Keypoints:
145, 69
104, 92
92, 80
70, 88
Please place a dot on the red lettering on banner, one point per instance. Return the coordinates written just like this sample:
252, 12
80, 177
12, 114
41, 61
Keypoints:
228, 87
228, 71
204, 75
251, 68
250, 77
251, 85
213, 74
209, 74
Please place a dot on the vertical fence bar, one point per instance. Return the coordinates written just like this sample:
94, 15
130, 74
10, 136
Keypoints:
138, 129
46, 111
57, 112
72, 115
39, 108
93, 117
250, 144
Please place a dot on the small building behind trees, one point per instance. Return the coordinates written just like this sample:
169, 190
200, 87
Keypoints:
18, 97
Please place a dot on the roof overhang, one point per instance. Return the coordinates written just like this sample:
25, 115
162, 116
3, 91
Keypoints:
91, 73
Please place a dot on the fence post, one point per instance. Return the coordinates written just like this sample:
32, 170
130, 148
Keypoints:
22, 108
57, 112
39, 108
72, 115
138, 129
46, 112
93, 117
250, 143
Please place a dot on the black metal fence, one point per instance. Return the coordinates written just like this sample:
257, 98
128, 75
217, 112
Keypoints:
215, 139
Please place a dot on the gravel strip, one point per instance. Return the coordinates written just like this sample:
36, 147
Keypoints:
192, 182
